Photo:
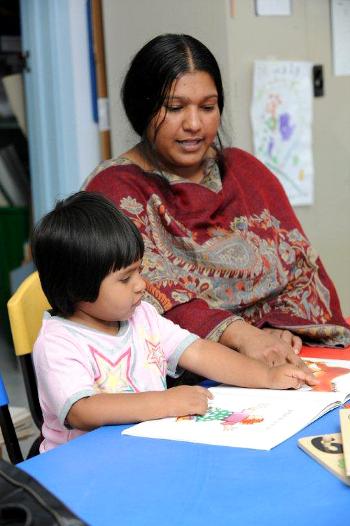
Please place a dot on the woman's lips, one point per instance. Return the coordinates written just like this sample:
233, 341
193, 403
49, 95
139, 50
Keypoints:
190, 145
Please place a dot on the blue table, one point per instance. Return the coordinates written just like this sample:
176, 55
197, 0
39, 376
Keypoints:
108, 479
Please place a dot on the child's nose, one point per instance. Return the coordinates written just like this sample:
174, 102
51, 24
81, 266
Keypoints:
140, 285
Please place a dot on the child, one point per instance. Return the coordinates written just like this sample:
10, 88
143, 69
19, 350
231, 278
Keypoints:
102, 354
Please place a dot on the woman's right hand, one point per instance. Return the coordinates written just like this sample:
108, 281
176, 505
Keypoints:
186, 400
260, 344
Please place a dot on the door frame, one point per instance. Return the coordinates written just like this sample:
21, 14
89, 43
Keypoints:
62, 135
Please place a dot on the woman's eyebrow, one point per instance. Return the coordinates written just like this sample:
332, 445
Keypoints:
175, 98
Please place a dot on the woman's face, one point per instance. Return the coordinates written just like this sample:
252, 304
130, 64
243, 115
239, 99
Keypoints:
186, 125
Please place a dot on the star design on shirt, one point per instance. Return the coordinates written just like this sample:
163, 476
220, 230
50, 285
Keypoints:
156, 356
113, 377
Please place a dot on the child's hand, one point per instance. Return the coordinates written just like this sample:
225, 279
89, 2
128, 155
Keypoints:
187, 400
288, 376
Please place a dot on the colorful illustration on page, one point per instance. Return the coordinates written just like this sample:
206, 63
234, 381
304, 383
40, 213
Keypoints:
228, 419
332, 377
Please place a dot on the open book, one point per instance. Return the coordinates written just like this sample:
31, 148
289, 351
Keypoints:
257, 418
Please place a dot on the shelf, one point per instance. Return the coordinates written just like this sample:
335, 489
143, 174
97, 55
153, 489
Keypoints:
8, 124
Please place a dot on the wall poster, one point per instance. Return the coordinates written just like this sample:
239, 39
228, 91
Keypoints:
281, 114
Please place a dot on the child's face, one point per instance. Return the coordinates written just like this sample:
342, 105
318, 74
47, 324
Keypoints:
119, 295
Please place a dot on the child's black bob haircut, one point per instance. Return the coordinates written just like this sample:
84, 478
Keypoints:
76, 245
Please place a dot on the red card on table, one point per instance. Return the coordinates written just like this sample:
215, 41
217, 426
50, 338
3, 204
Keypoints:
325, 352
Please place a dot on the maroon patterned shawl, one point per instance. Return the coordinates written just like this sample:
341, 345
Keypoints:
227, 246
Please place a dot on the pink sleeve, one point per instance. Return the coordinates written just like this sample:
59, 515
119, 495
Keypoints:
63, 374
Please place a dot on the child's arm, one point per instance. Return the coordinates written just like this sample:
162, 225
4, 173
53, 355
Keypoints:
103, 409
206, 358
217, 362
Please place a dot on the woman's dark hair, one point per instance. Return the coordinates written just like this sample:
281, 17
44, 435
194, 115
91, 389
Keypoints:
76, 245
153, 70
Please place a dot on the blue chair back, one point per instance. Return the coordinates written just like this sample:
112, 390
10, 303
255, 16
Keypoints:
4, 400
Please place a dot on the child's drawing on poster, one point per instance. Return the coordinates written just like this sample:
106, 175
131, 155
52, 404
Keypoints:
281, 116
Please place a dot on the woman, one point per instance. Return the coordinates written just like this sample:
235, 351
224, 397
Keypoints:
224, 252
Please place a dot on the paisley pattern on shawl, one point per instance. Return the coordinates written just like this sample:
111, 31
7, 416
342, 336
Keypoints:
233, 269
258, 265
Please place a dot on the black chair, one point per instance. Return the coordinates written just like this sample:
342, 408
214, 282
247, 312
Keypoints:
8, 429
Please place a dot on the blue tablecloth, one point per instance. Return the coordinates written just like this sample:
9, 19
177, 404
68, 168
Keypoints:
108, 479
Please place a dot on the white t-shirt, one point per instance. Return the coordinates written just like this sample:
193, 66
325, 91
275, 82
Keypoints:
73, 361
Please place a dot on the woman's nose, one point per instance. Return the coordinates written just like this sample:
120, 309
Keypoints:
192, 120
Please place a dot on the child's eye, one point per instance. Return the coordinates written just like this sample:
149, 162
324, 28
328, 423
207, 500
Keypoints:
208, 107
125, 280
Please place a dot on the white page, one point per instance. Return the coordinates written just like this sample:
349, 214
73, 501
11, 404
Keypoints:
248, 418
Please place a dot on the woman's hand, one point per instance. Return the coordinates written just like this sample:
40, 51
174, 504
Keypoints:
291, 339
186, 400
273, 347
